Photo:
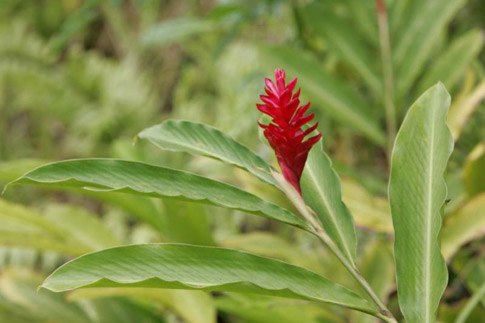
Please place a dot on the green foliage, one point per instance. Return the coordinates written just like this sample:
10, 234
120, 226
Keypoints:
81, 78
417, 193
172, 266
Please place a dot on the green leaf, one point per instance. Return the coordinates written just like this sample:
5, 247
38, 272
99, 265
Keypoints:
369, 212
200, 139
192, 306
322, 192
111, 175
417, 194
270, 245
69, 230
262, 309
473, 174
377, 265
206, 268
326, 91
417, 37
454, 61
463, 226
342, 38
465, 104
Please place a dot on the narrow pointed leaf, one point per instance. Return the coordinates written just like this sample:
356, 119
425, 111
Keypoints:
206, 268
417, 194
323, 193
111, 175
199, 139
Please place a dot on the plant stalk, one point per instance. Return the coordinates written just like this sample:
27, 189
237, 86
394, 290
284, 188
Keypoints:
297, 200
388, 75
386, 315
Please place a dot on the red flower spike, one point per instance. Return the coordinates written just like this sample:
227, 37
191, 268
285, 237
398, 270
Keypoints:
285, 133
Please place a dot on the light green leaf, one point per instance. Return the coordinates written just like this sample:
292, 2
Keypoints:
326, 91
369, 212
342, 38
270, 245
322, 192
111, 175
377, 265
68, 230
473, 174
417, 37
262, 309
10, 170
200, 139
463, 108
192, 306
417, 194
205, 268
454, 62
463, 226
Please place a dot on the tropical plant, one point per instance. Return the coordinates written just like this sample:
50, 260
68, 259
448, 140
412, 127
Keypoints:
80, 78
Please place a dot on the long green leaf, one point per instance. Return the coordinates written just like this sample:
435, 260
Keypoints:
111, 175
417, 194
207, 268
417, 37
322, 192
200, 139
326, 91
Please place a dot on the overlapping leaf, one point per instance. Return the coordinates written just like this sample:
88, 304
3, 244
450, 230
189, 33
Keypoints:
417, 194
111, 175
200, 139
205, 268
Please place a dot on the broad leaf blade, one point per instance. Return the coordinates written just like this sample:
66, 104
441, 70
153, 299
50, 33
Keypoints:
199, 139
322, 192
112, 175
206, 268
417, 194
326, 91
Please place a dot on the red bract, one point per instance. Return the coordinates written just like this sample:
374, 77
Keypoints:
285, 133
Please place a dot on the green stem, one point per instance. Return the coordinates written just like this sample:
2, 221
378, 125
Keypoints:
297, 200
387, 71
384, 312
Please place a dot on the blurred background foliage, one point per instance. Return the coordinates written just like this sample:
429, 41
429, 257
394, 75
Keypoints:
82, 78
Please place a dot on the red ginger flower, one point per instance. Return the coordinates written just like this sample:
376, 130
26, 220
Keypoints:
285, 133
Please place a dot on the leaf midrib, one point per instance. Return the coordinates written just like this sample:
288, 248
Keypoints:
429, 214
